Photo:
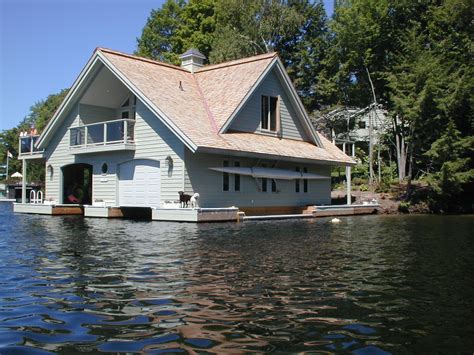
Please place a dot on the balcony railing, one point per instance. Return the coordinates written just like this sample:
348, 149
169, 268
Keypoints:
103, 133
27, 146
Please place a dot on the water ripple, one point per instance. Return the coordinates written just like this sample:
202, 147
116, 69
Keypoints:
370, 285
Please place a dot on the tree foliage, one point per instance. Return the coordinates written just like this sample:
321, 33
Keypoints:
39, 116
224, 30
176, 27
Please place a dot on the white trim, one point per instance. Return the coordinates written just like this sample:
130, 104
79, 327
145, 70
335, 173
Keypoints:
98, 56
247, 96
148, 103
300, 107
67, 100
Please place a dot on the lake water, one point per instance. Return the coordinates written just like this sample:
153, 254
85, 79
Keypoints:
369, 285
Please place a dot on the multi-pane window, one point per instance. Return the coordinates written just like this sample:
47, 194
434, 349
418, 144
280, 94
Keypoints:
225, 177
230, 180
236, 177
305, 181
269, 113
297, 182
128, 108
274, 185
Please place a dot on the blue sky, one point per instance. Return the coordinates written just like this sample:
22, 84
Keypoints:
45, 43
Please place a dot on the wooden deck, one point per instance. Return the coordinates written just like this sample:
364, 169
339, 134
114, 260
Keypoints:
320, 211
197, 215
54, 210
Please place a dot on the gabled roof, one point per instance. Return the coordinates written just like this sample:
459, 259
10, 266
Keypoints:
199, 107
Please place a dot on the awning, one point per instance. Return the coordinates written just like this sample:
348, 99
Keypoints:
270, 173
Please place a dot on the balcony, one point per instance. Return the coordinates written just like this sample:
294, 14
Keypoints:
102, 137
27, 148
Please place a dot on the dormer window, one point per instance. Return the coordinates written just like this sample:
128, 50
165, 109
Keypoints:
270, 113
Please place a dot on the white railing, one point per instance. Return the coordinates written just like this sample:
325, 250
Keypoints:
27, 145
102, 133
36, 197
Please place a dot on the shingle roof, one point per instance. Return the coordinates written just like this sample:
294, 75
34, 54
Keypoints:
200, 104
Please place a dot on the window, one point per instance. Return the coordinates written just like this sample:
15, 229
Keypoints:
297, 182
264, 181
126, 103
128, 108
236, 177
305, 181
362, 124
225, 177
104, 168
269, 114
274, 185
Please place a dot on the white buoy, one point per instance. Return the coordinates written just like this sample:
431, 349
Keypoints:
335, 220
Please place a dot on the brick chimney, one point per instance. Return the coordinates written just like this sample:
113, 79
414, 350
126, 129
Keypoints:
192, 60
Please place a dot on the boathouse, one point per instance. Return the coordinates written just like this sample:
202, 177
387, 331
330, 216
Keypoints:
133, 132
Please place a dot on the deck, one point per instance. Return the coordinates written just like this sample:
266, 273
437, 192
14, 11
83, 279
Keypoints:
195, 215
54, 210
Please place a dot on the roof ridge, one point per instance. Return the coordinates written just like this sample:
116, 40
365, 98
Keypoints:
143, 59
237, 62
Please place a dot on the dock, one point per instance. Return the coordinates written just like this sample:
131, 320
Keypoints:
194, 215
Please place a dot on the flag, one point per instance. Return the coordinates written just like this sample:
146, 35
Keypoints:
10, 155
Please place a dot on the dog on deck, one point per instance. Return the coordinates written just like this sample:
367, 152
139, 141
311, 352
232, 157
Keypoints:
194, 200
183, 199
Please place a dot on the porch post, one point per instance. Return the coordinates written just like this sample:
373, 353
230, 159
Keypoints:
348, 184
23, 181
348, 177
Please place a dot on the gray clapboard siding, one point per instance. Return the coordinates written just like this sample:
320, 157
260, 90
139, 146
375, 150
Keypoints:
248, 119
208, 184
153, 141
57, 155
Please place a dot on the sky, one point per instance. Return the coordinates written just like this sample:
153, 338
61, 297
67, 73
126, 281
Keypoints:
44, 44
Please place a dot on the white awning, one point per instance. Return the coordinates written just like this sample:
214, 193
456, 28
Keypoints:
279, 174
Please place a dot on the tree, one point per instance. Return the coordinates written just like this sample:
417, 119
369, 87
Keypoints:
39, 115
252, 27
297, 30
176, 27
454, 177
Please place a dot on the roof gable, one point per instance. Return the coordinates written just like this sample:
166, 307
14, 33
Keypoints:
248, 118
276, 67
199, 108
226, 86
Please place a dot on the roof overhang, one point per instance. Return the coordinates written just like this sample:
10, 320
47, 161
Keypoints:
81, 83
67, 102
244, 154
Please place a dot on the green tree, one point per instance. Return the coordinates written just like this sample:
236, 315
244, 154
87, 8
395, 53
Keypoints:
297, 30
454, 176
39, 116
176, 27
